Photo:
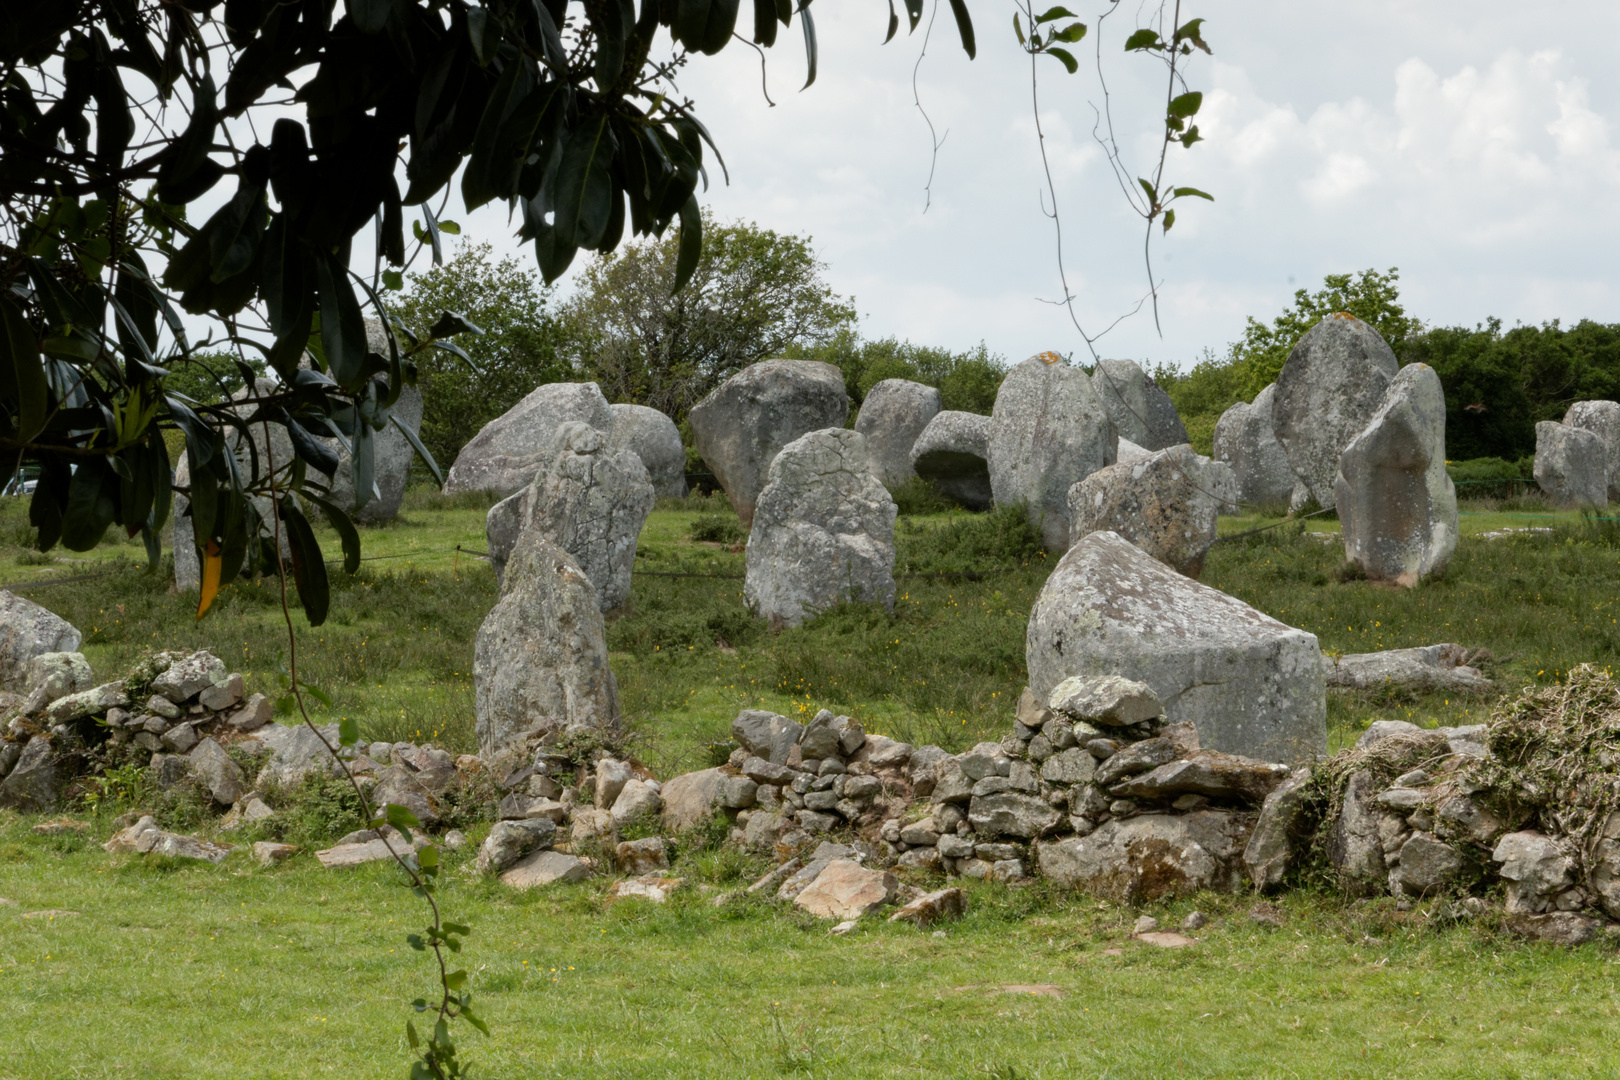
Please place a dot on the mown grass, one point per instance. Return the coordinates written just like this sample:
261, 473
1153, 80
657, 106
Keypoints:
237, 971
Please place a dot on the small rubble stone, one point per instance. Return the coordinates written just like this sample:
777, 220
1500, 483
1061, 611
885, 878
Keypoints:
654, 887
145, 838
1207, 772
270, 854
643, 856
34, 784
611, 776
1145, 924
1426, 864
509, 841
1270, 845
545, 868
1105, 699
689, 800
1555, 928
185, 679
158, 705
254, 715
180, 738
846, 890
221, 775
222, 696
1535, 868
939, 906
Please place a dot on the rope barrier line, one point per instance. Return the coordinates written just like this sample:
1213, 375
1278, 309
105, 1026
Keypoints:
1275, 525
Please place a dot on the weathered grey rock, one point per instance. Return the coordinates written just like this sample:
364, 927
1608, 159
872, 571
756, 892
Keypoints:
1104, 699
690, 799
1466, 816
1207, 772
222, 696
391, 453
739, 428
1555, 927
654, 438
846, 890
1048, 431
938, 906
1140, 409
258, 712
1331, 385
1071, 766
221, 775
1428, 667
953, 452
505, 455
823, 531
92, 702
642, 856
34, 783
295, 753
738, 793
1270, 846
1603, 865
1602, 418
1396, 502
766, 734
185, 679
545, 868
639, 801
509, 841
1572, 466
1355, 848
342, 856
542, 652
399, 786
1535, 869
1129, 451
1012, 814
611, 776
270, 854
1165, 503
591, 500
145, 838
1426, 864
1252, 685
27, 631
180, 738
248, 809
894, 413
1246, 441
1134, 758
55, 675
1151, 855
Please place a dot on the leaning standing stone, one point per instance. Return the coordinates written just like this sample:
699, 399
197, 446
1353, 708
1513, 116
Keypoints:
1396, 502
1244, 439
823, 531
1140, 409
740, 427
26, 631
1601, 418
506, 453
894, 414
1048, 432
1165, 503
654, 438
1333, 383
953, 453
1250, 684
542, 652
1571, 466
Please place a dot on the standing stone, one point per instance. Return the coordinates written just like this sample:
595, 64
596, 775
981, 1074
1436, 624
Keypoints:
1333, 383
1571, 466
1140, 409
26, 631
1165, 503
953, 453
1602, 418
894, 414
823, 531
504, 456
740, 427
34, 784
1250, 684
654, 438
542, 652
1048, 431
1244, 439
590, 499
1396, 502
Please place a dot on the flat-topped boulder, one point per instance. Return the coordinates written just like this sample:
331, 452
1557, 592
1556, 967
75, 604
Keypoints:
1165, 503
742, 425
1245, 440
1331, 385
654, 438
508, 451
823, 531
953, 453
1140, 409
1250, 684
1572, 465
1396, 502
894, 413
1048, 431
1601, 418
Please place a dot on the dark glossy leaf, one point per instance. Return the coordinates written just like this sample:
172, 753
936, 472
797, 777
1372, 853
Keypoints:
343, 328
584, 184
422, 451
894, 24
1143, 40
721, 23
309, 569
319, 456
1152, 194
432, 231
370, 15
478, 182
964, 27
1192, 32
914, 12
45, 509
187, 171
364, 463
344, 527
690, 244
451, 323
22, 375
808, 24
1064, 57
92, 505
1184, 105
691, 19
1169, 219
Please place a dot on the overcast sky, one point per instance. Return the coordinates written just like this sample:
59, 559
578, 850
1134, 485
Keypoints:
1470, 144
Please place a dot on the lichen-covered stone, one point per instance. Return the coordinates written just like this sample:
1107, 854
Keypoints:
823, 531
893, 414
1601, 418
26, 631
740, 427
1048, 431
1143, 858
953, 454
1246, 441
1252, 685
1572, 466
507, 452
1165, 503
654, 438
1140, 409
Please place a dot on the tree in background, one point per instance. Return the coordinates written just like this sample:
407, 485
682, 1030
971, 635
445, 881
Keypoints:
489, 373
209, 378
966, 380
754, 294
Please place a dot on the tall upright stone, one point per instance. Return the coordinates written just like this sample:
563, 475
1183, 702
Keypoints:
1601, 418
739, 428
1330, 387
541, 653
894, 413
1396, 502
507, 452
591, 499
654, 438
1048, 431
27, 631
1250, 684
823, 531
1244, 439
1572, 465
953, 454
1140, 409
1165, 503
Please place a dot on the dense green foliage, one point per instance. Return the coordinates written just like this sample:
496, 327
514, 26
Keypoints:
491, 372
967, 380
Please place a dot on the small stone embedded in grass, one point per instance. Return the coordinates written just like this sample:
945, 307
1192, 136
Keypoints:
1145, 924
270, 854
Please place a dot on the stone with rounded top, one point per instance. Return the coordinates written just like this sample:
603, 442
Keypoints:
894, 413
1601, 418
1140, 409
1165, 503
28, 631
508, 451
746, 421
1110, 700
952, 453
653, 437
1245, 441
1572, 465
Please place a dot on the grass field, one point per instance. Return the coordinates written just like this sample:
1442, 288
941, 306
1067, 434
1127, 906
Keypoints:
237, 971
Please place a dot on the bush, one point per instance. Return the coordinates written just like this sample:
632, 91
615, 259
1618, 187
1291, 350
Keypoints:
717, 529
999, 540
919, 496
